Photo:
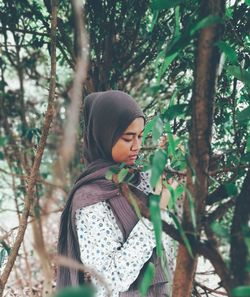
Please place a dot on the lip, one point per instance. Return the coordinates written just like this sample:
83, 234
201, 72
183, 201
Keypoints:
133, 157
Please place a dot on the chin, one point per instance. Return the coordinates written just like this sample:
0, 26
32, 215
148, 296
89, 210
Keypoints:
130, 162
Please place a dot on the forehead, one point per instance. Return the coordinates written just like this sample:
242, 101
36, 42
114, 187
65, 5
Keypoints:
136, 126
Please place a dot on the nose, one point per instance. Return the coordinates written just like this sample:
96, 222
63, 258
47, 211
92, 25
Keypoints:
136, 145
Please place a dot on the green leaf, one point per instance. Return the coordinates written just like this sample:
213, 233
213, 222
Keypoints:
183, 235
171, 142
247, 2
241, 291
148, 128
3, 140
191, 208
219, 230
3, 255
81, 291
244, 115
157, 129
1, 155
248, 144
228, 50
122, 174
155, 216
206, 22
167, 61
147, 279
241, 74
159, 162
164, 4
174, 111
109, 175
231, 189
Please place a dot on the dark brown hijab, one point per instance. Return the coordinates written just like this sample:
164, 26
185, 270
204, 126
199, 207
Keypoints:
106, 115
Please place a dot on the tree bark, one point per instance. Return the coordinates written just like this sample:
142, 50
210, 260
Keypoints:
207, 62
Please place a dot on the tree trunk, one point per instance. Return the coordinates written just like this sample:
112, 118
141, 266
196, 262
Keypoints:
207, 61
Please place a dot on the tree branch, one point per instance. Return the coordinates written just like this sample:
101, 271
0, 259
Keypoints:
37, 161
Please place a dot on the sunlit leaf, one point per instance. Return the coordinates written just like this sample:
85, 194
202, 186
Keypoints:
147, 279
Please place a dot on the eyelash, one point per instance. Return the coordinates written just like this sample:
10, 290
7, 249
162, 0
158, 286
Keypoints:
129, 140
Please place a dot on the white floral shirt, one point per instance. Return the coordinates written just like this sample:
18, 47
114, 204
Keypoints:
103, 248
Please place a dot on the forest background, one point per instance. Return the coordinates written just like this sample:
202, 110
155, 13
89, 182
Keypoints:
187, 65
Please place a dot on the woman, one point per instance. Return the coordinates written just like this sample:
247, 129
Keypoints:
98, 225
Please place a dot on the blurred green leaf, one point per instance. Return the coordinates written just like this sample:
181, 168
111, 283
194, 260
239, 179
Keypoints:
81, 291
247, 2
157, 129
3, 140
244, 115
109, 175
155, 216
191, 207
241, 74
167, 61
231, 189
248, 144
228, 50
1, 155
122, 174
219, 230
147, 279
206, 22
159, 162
241, 291
171, 141
148, 128
163, 4
174, 111
3, 255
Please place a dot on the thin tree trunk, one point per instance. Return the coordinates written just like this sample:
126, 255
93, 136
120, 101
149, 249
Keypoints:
207, 62
37, 161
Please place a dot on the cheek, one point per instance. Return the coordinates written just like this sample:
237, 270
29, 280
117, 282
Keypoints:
120, 151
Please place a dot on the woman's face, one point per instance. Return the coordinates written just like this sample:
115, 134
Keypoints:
127, 147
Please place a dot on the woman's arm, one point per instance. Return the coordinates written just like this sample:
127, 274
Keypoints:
102, 246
